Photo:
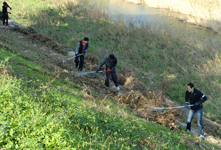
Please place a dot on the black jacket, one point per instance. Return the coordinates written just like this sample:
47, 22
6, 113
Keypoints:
109, 64
4, 9
196, 96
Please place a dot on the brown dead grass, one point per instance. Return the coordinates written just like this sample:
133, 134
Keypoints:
4, 70
140, 103
91, 62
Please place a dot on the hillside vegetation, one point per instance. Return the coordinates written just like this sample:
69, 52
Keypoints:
156, 55
45, 107
42, 107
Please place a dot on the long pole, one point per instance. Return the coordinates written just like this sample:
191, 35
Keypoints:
162, 108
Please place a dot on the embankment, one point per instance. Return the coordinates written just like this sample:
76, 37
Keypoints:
204, 13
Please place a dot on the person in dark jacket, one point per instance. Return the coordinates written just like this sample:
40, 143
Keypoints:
196, 98
81, 49
5, 14
111, 62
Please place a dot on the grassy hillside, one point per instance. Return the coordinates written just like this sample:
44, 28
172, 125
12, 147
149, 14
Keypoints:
44, 107
156, 55
41, 109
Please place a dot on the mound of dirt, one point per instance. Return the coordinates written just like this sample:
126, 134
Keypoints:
165, 117
91, 62
141, 103
135, 99
123, 74
127, 78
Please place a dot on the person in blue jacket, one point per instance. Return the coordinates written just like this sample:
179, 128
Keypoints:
195, 98
111, 62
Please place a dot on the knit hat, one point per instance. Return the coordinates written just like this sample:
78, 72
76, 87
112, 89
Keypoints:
4, 3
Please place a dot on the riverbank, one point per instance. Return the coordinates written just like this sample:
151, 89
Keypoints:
46, 107
204, 13
161, 59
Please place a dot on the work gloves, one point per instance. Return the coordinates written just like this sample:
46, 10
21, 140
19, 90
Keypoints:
96, 71
76, 55
196, 104
84, 52
186, 105
10, 8
112, 70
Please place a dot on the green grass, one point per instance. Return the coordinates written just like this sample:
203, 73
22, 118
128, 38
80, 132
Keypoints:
33, 118
58, 117
144, 50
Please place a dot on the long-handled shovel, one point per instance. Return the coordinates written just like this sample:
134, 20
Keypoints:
69, 58
85, 73
74, 56
163, 108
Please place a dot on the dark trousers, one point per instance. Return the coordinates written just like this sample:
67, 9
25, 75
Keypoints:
5, 19
81, 62
114, 78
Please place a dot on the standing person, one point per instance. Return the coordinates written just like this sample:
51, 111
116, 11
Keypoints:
5, 14
111, 62
81, 49
196, 98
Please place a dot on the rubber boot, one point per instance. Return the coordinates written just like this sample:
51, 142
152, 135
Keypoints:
188, 127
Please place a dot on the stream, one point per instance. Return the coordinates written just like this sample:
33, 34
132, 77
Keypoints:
160, 18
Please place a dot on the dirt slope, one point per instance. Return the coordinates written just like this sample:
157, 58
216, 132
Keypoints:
135, 95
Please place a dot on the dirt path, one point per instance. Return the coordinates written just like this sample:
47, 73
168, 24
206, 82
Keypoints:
134, 94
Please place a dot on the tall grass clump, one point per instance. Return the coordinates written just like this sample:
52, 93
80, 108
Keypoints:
157, 55
56, 11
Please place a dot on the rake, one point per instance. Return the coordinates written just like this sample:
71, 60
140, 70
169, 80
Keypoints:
85, 73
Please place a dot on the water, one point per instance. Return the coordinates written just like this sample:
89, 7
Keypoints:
157, 17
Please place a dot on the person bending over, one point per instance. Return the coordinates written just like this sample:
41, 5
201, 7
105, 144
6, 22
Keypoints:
111, 62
